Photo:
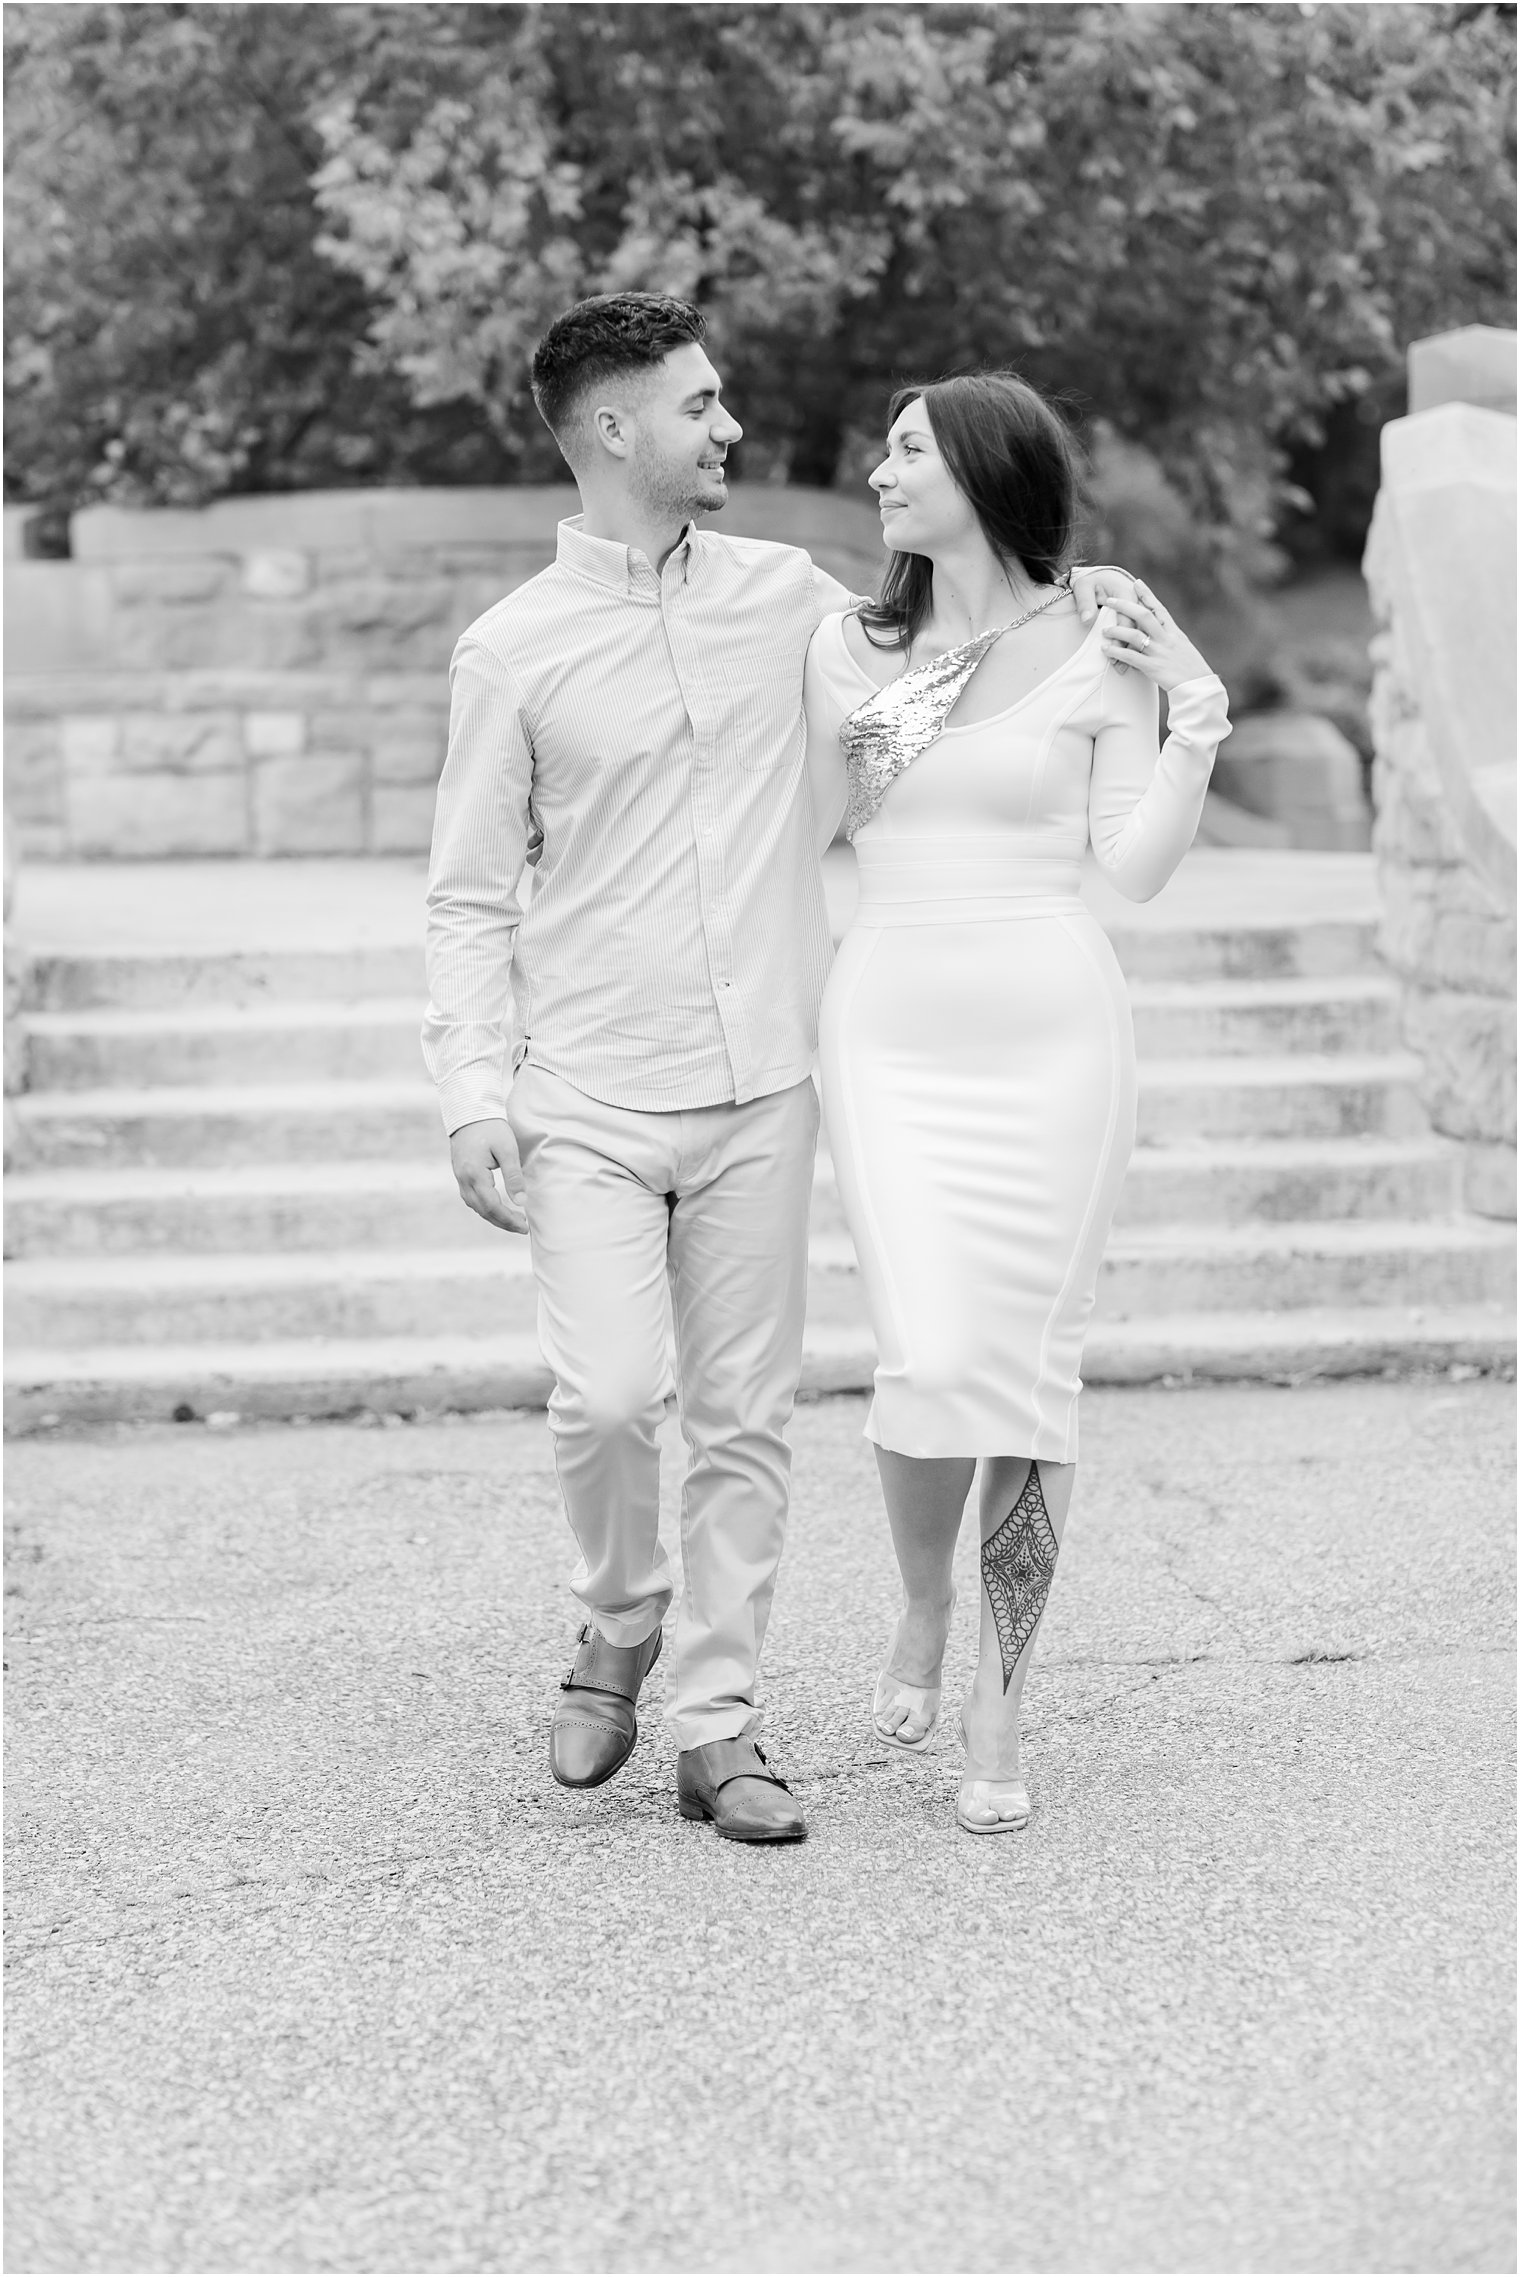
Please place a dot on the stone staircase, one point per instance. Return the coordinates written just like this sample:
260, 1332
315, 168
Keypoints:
234, 1197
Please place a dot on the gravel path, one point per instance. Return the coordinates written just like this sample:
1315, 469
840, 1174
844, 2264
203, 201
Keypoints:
313, 1967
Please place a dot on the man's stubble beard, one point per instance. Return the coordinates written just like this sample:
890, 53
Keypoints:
661, 489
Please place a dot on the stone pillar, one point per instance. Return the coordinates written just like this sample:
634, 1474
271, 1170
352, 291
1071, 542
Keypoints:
16, 975
1440, 565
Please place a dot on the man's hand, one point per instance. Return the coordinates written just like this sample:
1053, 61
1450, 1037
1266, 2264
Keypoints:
478, 1151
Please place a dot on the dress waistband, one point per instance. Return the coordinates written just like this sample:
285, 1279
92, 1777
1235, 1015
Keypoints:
962, 884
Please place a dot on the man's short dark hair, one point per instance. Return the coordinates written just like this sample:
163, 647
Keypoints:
602, 339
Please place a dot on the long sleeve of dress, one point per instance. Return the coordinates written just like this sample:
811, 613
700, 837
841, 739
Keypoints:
829, 694
1143, 809
481, 835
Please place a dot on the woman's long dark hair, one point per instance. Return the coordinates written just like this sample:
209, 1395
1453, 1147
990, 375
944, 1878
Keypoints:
1011, 456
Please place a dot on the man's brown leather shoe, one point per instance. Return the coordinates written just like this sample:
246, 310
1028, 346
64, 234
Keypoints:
594, 1726
730, 1782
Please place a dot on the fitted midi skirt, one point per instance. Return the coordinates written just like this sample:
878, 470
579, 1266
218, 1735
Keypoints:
978, 1069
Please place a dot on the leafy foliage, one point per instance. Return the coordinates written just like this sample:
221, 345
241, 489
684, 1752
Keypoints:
173, 332
262, 245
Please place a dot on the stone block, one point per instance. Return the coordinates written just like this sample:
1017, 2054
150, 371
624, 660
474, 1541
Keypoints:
241, 689
274, 735
1442, 551
342, 564
383, 689
349, 728
1488, 1181
506, 562
313, 804
1440, 929
143, 815
60, 617
33, 771
90, 743
1467, 1045
276, 573
17, 975
410, 748
401, 818
375, 624
44, 841
181, 742
1297, 768
275, 640
1474, 364
172, 577
1412, 824
186, 637
405, 565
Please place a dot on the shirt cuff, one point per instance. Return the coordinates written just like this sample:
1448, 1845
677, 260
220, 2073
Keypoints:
1198, 709
459, 1105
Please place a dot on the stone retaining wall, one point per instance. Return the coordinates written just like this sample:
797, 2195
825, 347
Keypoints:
269, 675
1441, 568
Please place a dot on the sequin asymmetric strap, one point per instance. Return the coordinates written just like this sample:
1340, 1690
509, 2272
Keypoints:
885, 734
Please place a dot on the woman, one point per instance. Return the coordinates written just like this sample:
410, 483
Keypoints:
978, 1055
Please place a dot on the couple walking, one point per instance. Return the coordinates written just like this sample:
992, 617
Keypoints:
672, 725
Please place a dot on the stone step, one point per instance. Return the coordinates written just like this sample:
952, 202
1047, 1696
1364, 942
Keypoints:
362, 1039
1253, 949
414, 1204
1303, 1095
414, 1374
262, 1208
280, 1039
258, 1206
1226, 1181
1187, 1019
160, 981
1315, 950
1268, 1181
170, 1299
1154, 1270
488, 1291
195, 1125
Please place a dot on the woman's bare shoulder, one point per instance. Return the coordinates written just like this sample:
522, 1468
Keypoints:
878, 664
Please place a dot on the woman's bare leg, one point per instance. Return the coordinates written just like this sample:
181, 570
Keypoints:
926, 1500
1023, 1516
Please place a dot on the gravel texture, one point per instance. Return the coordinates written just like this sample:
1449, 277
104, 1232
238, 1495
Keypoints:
313, 1967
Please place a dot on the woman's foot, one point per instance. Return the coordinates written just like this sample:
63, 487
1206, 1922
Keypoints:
906, 1709
993, 1797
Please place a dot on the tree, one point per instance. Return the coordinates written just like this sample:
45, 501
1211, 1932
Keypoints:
173, 332
1207, 229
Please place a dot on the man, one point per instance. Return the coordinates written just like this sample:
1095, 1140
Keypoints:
632, 717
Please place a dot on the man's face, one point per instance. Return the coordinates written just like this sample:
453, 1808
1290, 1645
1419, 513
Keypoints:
679, 437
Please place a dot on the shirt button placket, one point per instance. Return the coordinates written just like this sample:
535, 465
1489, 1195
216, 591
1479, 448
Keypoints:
705, 796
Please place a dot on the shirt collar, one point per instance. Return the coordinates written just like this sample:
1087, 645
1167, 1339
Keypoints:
621, 567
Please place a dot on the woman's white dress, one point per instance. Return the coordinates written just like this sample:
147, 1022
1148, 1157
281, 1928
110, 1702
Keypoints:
977, 1050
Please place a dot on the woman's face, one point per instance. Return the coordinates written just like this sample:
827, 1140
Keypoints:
921, 509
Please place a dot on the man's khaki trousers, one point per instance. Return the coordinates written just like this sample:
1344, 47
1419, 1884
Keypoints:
713, 1200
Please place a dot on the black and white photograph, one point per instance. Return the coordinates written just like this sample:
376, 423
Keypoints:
760, 968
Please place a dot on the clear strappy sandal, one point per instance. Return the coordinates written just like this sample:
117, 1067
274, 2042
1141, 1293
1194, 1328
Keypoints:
989, 1806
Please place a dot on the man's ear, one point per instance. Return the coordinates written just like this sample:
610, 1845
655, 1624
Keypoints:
610, 428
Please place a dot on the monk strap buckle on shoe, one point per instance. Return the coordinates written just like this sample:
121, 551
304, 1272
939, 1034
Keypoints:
730, 1782
594, 1728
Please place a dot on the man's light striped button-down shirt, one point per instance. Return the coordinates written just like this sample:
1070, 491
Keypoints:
641, 735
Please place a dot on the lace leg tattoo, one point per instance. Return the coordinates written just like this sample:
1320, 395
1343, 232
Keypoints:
1018, 1566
